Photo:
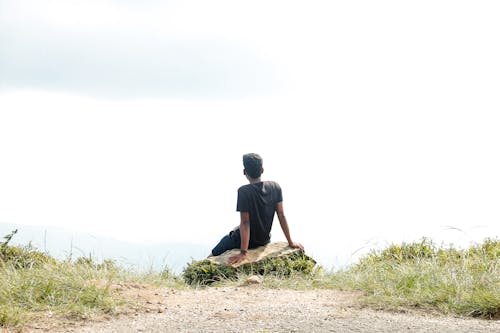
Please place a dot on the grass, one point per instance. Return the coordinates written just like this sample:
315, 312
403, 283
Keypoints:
57, 287
421, 275
33, 283
414, 275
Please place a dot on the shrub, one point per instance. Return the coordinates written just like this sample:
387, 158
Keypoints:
465, 282
22, 257
400, 253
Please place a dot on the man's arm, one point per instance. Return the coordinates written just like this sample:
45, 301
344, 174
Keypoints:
245, 238
284, 226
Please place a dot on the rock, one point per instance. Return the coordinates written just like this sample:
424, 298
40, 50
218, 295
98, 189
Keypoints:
275, 258
278, 249
254, 279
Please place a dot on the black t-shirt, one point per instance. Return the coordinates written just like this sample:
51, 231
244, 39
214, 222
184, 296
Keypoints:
260, 201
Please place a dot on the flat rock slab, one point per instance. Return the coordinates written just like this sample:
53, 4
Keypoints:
271, 250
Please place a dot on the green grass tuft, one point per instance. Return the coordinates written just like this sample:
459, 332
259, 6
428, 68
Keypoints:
22, 257
61, 287
465, 282
32, 282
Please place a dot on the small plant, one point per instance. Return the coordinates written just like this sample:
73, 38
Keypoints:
22, 257
8, 238
205, 272
401, 253
10, 316
489, 249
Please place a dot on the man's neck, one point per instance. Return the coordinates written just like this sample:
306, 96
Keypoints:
254, 180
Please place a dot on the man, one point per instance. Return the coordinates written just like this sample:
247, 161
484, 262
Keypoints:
257, 204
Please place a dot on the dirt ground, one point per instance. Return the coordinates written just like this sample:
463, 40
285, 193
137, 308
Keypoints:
254, 308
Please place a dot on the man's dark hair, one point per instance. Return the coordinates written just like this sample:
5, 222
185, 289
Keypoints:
253, 165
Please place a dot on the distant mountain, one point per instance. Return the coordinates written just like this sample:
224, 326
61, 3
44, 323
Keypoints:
62, 243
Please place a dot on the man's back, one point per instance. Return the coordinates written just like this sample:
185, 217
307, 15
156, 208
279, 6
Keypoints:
260, 201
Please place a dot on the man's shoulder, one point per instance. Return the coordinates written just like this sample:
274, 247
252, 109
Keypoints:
244, 187
245, 190
272, 184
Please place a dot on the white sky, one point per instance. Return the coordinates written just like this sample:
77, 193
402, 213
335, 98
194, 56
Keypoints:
129, 118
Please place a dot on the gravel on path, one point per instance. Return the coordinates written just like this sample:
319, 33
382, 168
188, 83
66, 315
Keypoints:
258, 309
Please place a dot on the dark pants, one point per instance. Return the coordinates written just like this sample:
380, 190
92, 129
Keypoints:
231, 241
228, 242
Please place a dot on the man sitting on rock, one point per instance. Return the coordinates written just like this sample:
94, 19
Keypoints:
257, 203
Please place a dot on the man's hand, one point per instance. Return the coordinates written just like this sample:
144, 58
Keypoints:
236, 258
296, 246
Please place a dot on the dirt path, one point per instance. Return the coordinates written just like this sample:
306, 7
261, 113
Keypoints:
257, 309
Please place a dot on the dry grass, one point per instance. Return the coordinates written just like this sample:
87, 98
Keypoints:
417, 275
33, 283
421, 275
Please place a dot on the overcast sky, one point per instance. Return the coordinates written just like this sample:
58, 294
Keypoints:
129, 118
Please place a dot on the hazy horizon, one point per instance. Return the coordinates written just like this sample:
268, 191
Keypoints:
63, 243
